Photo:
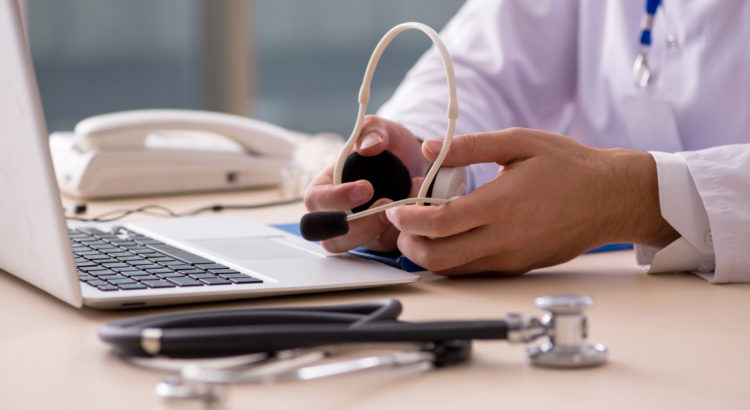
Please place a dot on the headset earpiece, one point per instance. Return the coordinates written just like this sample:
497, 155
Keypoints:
449, 182
388, 175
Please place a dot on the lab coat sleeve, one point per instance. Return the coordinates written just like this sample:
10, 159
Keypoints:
515, 65
704, 195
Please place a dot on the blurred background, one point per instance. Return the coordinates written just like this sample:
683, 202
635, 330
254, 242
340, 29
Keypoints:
298, 64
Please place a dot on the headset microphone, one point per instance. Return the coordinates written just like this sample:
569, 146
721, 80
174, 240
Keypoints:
319, 226
388, 175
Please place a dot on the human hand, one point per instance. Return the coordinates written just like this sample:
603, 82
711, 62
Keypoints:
374, 232
552, 200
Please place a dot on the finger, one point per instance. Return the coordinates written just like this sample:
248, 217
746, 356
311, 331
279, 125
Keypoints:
463, 214
329, 197
446, 253
385, 242
379, 134
416, 185
503, 147
361, 231
374, 137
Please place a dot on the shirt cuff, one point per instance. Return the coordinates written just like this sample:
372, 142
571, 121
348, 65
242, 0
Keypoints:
682, 207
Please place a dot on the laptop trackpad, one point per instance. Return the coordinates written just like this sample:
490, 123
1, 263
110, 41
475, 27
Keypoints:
249, 248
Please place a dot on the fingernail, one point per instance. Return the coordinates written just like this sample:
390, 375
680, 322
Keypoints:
369, 140
360, 193
389, 214
434, 146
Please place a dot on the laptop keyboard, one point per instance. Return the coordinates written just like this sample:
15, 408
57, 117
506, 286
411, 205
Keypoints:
124, 260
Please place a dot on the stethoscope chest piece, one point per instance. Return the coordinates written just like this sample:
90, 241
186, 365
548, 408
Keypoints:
566, 328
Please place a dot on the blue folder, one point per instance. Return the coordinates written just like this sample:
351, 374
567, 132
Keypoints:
398, 260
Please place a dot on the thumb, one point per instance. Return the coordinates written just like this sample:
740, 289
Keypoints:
503, 147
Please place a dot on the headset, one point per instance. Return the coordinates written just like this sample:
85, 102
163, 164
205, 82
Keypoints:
389, 176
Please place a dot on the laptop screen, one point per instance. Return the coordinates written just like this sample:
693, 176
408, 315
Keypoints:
33, 239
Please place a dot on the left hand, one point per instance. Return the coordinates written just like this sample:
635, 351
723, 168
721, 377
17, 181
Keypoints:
552, 200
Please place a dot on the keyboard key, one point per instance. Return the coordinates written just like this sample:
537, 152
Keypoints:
216, 281
121, 281
108, 249
171, 275
110, 260
128, 286
191, 271
149, 253
181, 266
132, 273
210, 266
160, 270
186, 281
125, 269
101, 246
159, 283
202, 275
161, 259
97, 282
88, 251
184, 256
102, 271
96, 257
107, 287
90, 268
149, 266
116, 265
122, 242
171, 264
130, 259
109, 278
246, 279
140, 262
144, 278
120, 254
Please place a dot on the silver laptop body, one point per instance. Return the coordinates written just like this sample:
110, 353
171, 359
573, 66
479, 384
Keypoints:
34, 237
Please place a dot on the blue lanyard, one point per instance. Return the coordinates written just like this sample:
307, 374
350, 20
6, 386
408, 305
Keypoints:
648, 21
641, 70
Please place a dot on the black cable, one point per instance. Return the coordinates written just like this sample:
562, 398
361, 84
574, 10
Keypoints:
114, 215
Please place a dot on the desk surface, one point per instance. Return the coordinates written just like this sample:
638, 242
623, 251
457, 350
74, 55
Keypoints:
675, 341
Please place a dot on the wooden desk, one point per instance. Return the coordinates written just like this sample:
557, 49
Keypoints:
675, 341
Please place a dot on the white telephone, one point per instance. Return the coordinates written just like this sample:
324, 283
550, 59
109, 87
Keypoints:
165, 151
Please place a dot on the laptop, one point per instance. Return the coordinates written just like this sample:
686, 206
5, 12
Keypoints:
143, 263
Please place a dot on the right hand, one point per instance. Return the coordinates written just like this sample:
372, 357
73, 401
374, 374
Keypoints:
374, 232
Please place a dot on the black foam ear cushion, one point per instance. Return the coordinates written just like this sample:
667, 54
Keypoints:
388, 175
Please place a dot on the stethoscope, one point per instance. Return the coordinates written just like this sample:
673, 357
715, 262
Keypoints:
267, 345
641, 69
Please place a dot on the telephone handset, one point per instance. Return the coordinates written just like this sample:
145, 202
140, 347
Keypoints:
129, 129
164, 151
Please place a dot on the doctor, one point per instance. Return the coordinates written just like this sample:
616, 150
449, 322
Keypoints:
655, 101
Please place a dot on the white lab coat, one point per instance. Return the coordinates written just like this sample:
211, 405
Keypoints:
566, 66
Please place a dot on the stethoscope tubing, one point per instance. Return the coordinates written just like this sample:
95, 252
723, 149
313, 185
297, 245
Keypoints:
242, 331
